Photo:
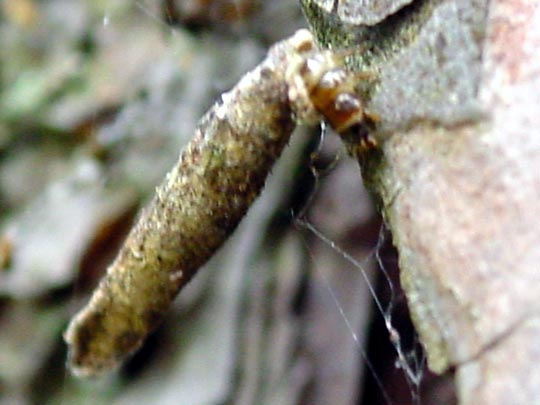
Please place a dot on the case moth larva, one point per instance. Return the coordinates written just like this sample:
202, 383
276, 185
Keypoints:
206, 194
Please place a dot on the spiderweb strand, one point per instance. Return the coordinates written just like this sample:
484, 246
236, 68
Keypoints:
411, 365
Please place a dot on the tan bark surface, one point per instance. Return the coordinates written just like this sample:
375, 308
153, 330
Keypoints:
459, 180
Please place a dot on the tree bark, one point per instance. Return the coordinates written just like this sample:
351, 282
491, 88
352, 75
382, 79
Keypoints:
457, 175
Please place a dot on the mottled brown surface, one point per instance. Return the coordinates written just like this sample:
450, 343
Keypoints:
196, 208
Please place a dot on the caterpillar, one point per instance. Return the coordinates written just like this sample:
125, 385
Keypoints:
206, 194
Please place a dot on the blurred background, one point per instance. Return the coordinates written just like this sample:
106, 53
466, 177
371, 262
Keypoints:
96, 100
